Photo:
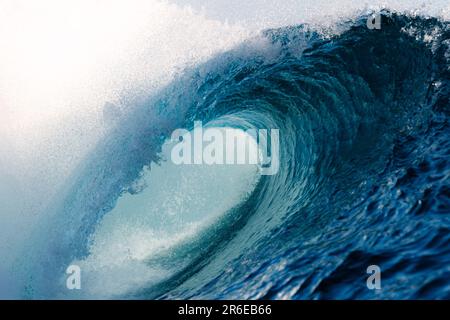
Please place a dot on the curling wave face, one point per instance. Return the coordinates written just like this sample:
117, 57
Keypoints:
363, 179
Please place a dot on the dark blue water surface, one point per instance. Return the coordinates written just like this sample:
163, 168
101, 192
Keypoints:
364, 175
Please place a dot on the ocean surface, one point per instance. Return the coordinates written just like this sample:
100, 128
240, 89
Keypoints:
364, 177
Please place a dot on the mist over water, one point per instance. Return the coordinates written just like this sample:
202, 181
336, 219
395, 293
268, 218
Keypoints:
90, 93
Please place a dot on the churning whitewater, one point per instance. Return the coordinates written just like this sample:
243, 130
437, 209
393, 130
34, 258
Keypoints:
363, 177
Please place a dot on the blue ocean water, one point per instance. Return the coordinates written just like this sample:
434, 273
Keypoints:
364, 173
